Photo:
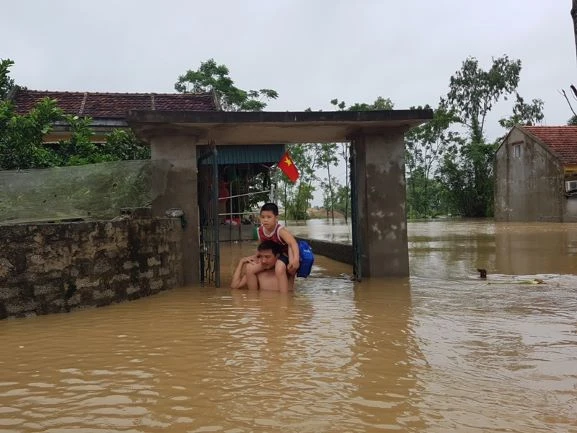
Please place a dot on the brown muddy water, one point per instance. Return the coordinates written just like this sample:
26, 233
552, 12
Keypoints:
440, 351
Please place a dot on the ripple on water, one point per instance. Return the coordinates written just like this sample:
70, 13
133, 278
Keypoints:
424, 354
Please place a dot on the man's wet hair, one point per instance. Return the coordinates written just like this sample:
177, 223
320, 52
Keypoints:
270, 207
270, 245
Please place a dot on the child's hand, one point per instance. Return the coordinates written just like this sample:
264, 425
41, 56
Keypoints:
293, 266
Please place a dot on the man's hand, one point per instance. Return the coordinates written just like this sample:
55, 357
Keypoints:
249, 259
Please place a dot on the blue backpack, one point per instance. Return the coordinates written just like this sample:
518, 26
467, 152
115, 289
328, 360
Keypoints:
307, 259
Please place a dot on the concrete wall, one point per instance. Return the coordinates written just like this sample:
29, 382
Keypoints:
528, 187
570, 210
379, 179
174, 185
52, 268
340, 252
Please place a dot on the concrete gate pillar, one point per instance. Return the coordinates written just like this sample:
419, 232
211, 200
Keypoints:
379, 179
174, 185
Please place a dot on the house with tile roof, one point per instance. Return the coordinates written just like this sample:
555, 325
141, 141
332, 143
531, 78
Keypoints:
536, 174
109, 110
237, 164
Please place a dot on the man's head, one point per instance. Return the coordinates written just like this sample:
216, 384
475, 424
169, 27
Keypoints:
268, 252
269, 215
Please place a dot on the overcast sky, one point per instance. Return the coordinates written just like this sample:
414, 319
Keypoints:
310, 51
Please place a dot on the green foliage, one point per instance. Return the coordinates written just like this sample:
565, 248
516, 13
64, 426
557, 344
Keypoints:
336, 197
21, 145
124, 145
467, 171
473, 91
426, 196
425, 148
6, 83
342, 200
79, 149
211, 76
523, 113
21, 136
467, 176
326, 156
296, 197
379, 104
448, 170
313, 158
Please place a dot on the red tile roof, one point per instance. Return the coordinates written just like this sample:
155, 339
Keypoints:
114, 105
561, 140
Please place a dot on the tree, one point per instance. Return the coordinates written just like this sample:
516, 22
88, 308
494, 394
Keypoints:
346, 189
426, 146
327, 157
211, 76
297, 197
379, 104
473, 92
342, 199
124, 145
467, 172
21, 136
524, 114
6, 83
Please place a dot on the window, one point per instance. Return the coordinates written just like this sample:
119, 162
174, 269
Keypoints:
517, 150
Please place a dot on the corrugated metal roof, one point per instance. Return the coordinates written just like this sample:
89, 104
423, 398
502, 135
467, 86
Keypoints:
246, 154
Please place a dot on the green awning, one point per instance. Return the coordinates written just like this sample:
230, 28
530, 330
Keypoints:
244, 154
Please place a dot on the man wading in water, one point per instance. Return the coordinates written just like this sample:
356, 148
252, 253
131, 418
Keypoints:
267, 255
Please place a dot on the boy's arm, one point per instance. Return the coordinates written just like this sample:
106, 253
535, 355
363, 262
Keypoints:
294, 258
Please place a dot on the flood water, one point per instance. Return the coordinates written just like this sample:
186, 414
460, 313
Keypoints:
440, 351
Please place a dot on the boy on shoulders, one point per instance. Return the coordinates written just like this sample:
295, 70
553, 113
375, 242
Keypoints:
288, 262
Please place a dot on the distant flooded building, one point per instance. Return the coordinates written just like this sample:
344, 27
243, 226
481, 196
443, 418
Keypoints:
536, 174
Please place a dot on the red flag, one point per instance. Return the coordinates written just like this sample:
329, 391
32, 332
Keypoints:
289, 168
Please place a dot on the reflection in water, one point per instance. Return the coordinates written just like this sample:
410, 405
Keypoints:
443, 351
322, 230
387, 389
455, 249
536, 248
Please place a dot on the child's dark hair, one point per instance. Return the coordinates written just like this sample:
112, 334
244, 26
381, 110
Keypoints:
270, 207
270, 245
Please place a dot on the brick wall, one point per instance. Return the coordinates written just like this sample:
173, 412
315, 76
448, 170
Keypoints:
52, 268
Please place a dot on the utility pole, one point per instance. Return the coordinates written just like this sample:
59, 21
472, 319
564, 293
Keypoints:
574, 16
